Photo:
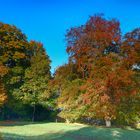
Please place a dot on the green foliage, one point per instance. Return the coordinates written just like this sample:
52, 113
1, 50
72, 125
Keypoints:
25, 71
14, 58
69, 100
35, 79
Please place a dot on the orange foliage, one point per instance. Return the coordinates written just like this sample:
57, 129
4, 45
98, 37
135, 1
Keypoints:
3, 96
88, 42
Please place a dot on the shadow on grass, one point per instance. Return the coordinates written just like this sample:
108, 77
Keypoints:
84, 133
16, 123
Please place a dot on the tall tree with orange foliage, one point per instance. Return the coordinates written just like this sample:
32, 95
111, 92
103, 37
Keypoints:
88, 47
109, 66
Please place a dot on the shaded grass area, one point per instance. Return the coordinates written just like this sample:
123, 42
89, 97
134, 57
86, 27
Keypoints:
62, 131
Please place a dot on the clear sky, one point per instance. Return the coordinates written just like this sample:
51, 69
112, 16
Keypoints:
47, 20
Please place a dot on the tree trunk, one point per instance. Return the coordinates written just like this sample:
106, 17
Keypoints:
56, 120
67, 121
33, 116
108, 123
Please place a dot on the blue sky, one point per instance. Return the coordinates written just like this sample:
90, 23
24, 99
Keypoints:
47, 20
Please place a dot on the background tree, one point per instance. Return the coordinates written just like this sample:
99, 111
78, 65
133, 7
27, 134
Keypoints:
14, 55
66, 87
36, 78
129, 111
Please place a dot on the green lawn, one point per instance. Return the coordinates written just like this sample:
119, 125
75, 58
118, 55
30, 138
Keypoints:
61, 131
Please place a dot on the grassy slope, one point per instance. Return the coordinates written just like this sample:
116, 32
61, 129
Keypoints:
61, 131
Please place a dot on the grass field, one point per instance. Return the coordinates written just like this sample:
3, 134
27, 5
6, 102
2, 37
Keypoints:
61, 131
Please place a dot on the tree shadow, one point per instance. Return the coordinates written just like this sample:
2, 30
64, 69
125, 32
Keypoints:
19, 123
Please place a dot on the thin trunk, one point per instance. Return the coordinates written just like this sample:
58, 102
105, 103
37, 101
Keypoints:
33, 116
108, 123
56, 120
